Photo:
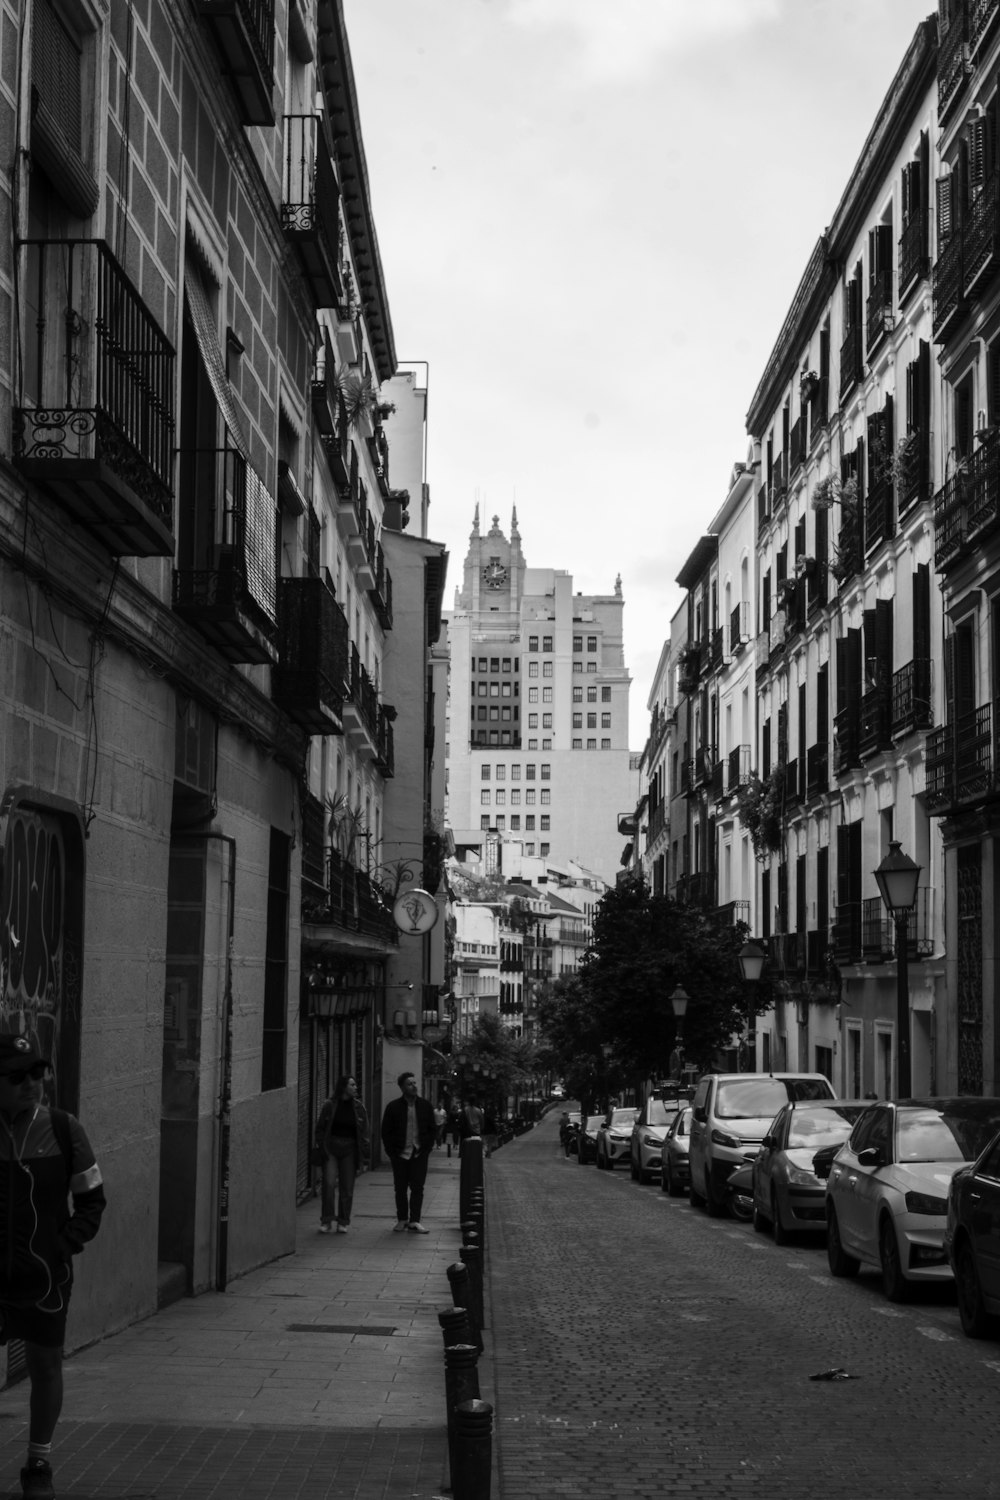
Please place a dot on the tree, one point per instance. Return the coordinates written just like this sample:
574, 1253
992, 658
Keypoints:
509, 1059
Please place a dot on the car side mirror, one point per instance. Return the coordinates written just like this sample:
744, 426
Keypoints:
871, 1156
700, 1115
768, 1143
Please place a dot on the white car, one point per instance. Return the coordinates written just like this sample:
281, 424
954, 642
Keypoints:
887, 1193
614, 1137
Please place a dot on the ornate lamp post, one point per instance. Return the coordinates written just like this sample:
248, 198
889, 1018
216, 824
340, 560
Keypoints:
751, 958
898, 877
679, 1002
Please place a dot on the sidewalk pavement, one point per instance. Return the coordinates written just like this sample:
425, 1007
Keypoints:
317, 1377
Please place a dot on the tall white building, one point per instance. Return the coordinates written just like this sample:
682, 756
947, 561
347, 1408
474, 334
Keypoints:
538, 710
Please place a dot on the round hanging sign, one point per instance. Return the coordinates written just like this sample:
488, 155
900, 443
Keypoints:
415, 912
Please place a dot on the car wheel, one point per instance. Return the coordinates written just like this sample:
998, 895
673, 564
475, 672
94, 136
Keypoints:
666, 1178
976, 1321
894, 1283
781, 1235
841, 1264
634, 1172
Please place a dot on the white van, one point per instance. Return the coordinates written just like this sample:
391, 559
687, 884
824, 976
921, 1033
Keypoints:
730, 1116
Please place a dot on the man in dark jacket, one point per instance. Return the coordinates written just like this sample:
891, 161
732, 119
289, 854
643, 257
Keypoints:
44, 1157
408, 1135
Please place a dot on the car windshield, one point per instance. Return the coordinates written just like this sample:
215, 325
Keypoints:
594, 1123
812, 1128
620, 1117
943, 1135
660, 1113
756, 1098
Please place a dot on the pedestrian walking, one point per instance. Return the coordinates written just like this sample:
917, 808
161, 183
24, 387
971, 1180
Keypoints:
454, 1127
44, 1158
440, 1123
343, 1147
408, 1132
472, 1119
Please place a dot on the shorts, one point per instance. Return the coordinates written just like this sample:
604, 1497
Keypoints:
33, 1326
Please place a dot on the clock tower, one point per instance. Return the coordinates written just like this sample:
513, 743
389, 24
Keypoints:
493, 580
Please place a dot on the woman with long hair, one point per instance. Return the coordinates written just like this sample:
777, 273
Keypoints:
343, 1145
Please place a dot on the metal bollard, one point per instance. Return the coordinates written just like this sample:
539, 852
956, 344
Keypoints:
460, 1282
471, 1173
471, 1470
461, 1384
472, 1258
477, 1214
455, 1326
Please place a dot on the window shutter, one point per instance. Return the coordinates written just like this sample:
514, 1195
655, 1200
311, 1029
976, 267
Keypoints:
55, 72
994, 383
841, 665
977, 155
963, 418
883, 639
883, 247
944, 219
922, 612
823, 705
872, 256
907, 191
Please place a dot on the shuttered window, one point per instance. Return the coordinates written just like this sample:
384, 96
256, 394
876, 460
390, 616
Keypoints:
944, 216
56, 60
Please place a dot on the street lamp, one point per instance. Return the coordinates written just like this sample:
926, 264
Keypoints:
898, 877
751, 959
679, 1002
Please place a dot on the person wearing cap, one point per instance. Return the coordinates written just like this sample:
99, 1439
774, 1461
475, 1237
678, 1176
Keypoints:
45, 1158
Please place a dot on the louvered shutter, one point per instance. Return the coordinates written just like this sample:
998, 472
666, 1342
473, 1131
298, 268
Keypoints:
963, 419
976, 155
55, 72
841, 665
994, 383
872, 257
942, 189
883, 640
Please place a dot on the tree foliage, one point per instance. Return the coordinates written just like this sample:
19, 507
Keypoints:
510, 1059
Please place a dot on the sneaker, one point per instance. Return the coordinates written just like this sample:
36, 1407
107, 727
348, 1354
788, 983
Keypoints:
325, 1229
341, 1228
36, 1480
417, 1228
400, 1226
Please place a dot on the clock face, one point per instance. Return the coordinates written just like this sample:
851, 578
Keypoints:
494, 574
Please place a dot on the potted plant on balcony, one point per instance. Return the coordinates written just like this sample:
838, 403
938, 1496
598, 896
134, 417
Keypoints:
360, 397
761, 804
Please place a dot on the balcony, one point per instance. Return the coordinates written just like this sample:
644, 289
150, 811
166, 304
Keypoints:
738, 768
875, 726
777, 631
378, 447
982, 14
244, 35
846, 727
381, 594
703, 766
385, 751
852, 360
797, 445
819, 408
913, 259
739, 628
847, 932
960, 764
95, 420
701, 889
313, 655
879, 514
953, 59
911, 697
231, 598
716, 648
983, 488
949, 287
731, 914
787, 953
310, 214
913, 470
950, 521
348, 900
793, 788
878, 931
365, 718
878, 310
716, 782
817, 770
981, 236
779, 481
657, 823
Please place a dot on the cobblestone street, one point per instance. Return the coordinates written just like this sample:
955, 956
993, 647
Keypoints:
645, 1349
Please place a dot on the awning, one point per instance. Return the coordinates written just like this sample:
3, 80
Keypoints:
203, 322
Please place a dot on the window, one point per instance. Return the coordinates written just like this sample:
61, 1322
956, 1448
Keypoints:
501, 773
578, 721
484, 822
546, 669
501, 823
591, 744
63, 79
494, 663
546, 643
591, 694
501, 798
529, 771
592, 643
591, 666
605, 695
546, 695
532, 695
546, 771
532, 669
591, 721
484, 772
505, 690
577, 744
546, 721
532, 744
484, 797
578, 695
494, 716
515, 771
515, 796
482, 664
532, 643
605, 744
529, 823
605, 721
515, 823
544, 822
529, 797
532, 721
578, 643
529, 848
578, 666
494, 689
543, 850
546, 796
481, 714
546, 744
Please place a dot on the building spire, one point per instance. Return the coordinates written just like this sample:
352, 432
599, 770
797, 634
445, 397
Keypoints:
515, 535
475, 521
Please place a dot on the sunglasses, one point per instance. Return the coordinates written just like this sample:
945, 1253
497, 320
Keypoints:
17, 1075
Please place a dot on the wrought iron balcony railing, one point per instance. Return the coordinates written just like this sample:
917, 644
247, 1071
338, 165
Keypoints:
732, 912
378, 447
846, 733
852, 366
960, 763
981, 14
94, 420
878, 930
228, 593
983, 488
819, 408
739, 627
738, 768
911, 697
912, 251
949, 285
879, 516
913, 470
244, 35
878, 310
981, 237
381, 594
310, 215
657, 823
953, 58
847, 932
950, 520
348, 899
875, 726
313, 655
817, 770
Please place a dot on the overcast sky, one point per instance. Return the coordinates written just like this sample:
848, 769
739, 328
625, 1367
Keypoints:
592, 217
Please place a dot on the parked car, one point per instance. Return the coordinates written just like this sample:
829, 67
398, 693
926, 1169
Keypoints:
651, 1125
586, 1148
887, 1194
614, 1136
731, 1113
787, 1193
676, 1172
972, 1242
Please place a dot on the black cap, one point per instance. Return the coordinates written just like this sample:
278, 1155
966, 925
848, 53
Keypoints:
18, 1052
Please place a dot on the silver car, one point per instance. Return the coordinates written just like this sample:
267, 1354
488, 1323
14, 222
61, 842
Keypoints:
787, 1194
614, 1137
676, 1173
